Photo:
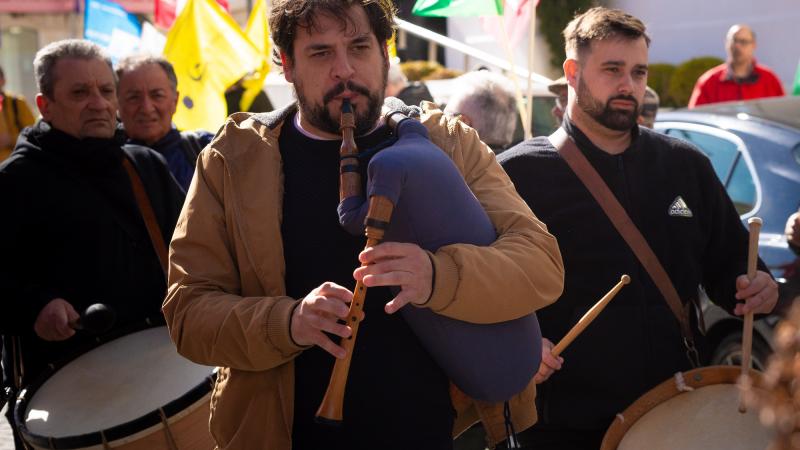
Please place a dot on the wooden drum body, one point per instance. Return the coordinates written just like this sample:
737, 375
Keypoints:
133, 392
697, 409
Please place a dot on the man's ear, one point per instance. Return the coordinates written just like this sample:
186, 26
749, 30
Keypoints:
43, 104
571, 72
288, 69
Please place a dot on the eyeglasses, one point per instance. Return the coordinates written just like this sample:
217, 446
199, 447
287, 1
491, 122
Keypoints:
739, 41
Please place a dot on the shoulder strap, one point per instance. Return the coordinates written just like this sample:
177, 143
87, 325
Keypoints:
625, 226
148, 214
190, 144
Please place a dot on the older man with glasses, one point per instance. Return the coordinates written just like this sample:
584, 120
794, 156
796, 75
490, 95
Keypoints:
740, 77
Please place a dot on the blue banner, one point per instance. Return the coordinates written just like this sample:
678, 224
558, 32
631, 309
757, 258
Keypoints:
108, 25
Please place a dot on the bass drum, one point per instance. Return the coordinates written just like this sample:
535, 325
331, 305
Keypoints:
133, 392
695, 410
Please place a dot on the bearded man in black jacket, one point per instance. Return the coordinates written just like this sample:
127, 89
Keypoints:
73, 234
671, 193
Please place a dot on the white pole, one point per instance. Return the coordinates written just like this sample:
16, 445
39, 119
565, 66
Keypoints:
531, 47
523, 114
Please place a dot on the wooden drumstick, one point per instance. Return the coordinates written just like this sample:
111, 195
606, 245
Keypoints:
589, 316
754, 224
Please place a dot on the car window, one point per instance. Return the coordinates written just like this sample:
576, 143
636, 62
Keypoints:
730, 167
721, 152
741, 188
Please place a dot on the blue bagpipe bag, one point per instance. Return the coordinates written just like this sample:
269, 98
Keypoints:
433, 207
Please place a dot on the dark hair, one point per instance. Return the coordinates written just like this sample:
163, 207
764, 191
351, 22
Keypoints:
287, 15
601, 23
130, 63
46, 58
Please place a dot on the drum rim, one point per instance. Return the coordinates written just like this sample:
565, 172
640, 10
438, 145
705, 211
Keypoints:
116, 432
665, 391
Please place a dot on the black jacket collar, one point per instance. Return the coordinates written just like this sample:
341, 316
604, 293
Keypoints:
589, 148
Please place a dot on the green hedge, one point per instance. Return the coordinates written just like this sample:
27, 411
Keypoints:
685, 76
674, 84
658, 78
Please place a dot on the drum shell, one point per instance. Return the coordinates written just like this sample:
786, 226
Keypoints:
186, 417
685, 383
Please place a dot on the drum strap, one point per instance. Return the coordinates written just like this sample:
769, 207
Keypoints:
149, 216
104, 440
630, 233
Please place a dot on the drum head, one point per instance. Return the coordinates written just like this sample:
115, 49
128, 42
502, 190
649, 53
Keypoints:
116, 383
698, 410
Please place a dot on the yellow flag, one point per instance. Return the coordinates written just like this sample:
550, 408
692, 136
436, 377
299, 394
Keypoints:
393, 46
257, 30
209, 52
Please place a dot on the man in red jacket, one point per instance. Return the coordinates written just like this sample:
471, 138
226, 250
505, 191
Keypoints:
740, 77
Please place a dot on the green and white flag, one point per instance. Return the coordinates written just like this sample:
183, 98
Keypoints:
796, 89
464, 8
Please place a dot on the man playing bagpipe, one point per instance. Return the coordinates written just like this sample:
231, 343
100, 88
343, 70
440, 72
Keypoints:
261, 269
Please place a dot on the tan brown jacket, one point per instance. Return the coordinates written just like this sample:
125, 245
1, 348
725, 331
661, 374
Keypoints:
226, 305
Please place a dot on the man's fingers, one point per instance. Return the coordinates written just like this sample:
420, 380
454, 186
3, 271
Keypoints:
401, 266
335, 307
758, 296
326, 344
327, 325
65, 331
387, 279
552, 362
544, 373
758, 304
549, 362
541, 377
383, 251
405, 297
329, 289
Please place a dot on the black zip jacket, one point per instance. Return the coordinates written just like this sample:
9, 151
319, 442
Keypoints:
71, 228
636, 342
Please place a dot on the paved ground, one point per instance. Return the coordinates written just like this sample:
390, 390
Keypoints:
6, 441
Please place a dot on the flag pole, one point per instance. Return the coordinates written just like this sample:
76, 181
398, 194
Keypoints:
531, 46
523, 113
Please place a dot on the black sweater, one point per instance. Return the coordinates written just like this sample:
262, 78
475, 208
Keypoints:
635, 343
396, 396
71, 229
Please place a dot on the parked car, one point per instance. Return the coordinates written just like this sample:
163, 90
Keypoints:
754, 147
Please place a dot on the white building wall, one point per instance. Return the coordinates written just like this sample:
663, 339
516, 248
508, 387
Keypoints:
469, 31
684, 29
16, 55
18, 61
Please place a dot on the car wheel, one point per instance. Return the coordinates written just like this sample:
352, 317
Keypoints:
729, 352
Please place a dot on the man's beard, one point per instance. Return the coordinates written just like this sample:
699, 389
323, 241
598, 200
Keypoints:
320, 117
604, 114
